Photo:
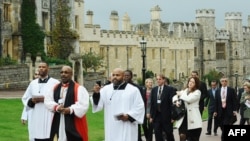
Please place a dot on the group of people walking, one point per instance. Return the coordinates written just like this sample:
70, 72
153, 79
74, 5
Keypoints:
57, 109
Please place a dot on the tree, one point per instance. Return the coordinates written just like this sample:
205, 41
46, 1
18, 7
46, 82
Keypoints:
212, 75
91, 60
62, 35
149, 74
32, 34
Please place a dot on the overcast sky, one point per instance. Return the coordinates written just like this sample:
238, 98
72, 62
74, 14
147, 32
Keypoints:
172, 10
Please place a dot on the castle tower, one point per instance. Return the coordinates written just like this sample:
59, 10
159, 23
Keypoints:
155, 24
206, 42
206, 17
233, 23
126, 26
114, 21
89, 17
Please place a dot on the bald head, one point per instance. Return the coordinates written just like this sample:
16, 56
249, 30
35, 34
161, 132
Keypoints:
66, 74
117, 76
120, 70
68, 68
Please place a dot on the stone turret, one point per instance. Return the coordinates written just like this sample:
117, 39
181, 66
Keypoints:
126, 26
155, 13
233, 21
114, 21
89, 17
206, 17
155, 24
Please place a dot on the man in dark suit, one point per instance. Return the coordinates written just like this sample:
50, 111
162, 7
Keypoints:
210, 103
225, 105
128, 77
160, 109
203, 89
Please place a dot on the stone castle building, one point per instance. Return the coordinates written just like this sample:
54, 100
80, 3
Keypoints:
173, 48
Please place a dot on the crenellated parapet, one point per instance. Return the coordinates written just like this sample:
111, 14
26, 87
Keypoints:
246, 29
233, 16
201, 13
170, 43
222, 34
117, 34
184, 29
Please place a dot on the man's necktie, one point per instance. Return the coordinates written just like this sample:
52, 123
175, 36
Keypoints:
159, 99
159, 93
223, 98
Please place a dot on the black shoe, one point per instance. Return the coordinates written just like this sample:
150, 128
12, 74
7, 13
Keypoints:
215, 134
208, 133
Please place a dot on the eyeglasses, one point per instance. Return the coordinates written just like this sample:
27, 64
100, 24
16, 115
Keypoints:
36, 73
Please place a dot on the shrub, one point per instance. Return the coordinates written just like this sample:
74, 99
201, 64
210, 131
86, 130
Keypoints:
7, 61
57, 61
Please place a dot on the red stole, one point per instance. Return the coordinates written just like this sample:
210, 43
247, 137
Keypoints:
81, 123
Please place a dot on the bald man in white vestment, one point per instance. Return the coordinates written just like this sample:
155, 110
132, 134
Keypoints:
123, 108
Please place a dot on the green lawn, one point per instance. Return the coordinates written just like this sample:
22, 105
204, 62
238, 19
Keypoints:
11, 128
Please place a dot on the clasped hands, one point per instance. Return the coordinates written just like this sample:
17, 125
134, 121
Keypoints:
123, 117
63, 110
37, 99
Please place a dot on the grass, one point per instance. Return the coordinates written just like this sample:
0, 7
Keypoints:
11, 128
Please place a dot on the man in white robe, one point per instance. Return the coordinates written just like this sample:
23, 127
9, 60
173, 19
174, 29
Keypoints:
26, 114
25, 117
124, 108
41, 117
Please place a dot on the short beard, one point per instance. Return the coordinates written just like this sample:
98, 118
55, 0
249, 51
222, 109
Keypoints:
118, 82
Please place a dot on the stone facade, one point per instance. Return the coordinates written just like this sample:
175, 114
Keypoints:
10, 35
177, 48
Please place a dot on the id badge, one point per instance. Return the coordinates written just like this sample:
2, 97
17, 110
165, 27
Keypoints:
61, 101
158, 101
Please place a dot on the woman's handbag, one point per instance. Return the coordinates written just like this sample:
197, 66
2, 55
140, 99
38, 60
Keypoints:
178, 109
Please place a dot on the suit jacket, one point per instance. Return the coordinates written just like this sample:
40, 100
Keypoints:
204, 93
166, 105
231, 105
210, 101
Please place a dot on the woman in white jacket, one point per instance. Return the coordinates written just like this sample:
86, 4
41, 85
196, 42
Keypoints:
190, 125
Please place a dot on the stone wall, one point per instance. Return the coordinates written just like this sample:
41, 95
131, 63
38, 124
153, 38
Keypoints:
14, 77
91, 78
17, 77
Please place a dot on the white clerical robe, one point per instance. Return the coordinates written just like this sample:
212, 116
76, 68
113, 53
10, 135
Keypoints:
26, 115
80, 108
115, 102
41, 117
